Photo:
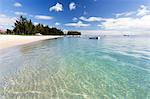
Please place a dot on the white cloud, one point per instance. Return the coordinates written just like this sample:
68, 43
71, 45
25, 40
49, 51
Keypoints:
35, 23
72, 6
17, 4
57, 23
43, 17
78, 24
6, 22
58, 7
143, 10
91, 19
99, 25
20, 13
134, 22
75, 19
127, 24
125, 14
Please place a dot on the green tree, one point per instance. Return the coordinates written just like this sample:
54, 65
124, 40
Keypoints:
22, 26
73, 33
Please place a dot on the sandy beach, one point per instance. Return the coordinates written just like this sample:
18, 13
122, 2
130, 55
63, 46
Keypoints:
7, 41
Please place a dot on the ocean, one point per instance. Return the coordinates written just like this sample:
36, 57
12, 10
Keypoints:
77, 68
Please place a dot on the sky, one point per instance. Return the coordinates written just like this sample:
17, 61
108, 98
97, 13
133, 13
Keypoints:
101, 17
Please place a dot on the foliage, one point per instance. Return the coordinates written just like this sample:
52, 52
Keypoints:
73, 33
22, 26
45, 30
9, 31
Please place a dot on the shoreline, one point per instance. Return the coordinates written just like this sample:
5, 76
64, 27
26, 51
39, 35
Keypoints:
7, 41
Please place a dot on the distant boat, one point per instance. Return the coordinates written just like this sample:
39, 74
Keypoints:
97, 37
126, 35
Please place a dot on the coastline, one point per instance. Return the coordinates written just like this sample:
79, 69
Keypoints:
7, 41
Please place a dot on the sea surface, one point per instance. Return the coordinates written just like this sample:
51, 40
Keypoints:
77, 68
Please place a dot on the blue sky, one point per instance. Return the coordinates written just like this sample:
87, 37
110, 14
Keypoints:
108, 17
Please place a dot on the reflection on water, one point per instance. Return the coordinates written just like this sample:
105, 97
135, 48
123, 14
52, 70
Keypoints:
77, 68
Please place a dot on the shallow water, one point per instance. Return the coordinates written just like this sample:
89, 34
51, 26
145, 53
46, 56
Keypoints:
77, 68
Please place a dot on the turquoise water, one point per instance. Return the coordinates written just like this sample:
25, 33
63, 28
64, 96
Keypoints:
77, 68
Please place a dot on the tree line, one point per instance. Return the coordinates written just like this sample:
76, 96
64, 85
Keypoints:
73, 33
22, 26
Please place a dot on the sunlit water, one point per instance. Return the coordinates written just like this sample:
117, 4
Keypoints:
77, 68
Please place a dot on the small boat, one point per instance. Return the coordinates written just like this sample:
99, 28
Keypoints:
126, 35
94, 37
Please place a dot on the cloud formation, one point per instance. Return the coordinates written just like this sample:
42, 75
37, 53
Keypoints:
127, 24
58, 7
43, 17
143, 10
75, 19
6, 22
126, 14
17, 4
57, 23
72, 6
78, 24
20, 13
138, 24
133, 23
91, 19
35, 23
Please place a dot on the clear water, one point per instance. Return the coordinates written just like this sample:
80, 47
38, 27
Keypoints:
77, 68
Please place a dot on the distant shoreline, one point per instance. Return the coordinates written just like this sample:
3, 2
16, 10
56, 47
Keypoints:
7, 41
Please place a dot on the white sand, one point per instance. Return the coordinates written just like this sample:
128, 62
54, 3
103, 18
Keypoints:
14, 40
